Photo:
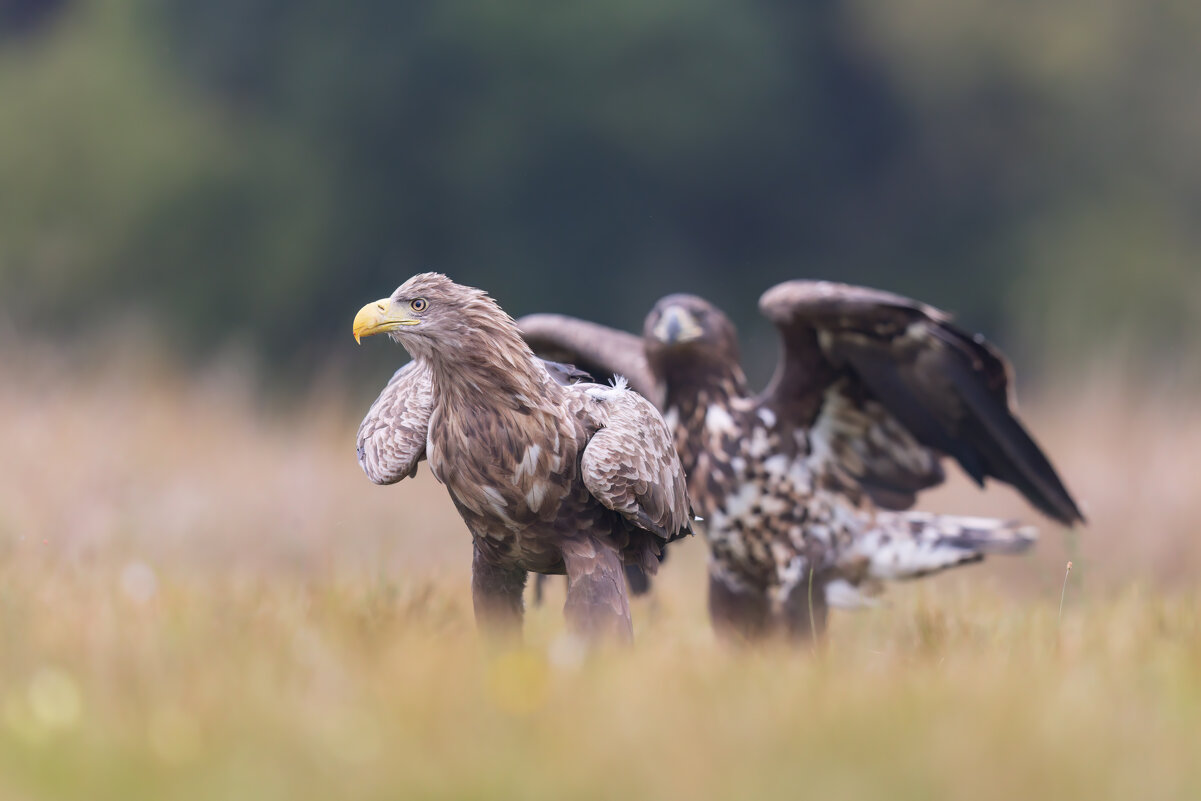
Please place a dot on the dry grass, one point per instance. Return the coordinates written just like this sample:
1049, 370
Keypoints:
200, 598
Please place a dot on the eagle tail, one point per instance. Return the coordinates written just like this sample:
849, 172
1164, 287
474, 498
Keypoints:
842, 594
906, 545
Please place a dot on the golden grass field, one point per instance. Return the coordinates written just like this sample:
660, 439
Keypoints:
201, 597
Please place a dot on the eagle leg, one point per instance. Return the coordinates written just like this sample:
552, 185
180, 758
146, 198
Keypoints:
637, 579
496, 592
597, 605
739, 613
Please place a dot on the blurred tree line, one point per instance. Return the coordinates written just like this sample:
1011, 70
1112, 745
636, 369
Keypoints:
254, 170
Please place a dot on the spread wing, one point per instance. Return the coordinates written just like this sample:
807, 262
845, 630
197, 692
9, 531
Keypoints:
392, 435
602, 351
631, 466
888, 385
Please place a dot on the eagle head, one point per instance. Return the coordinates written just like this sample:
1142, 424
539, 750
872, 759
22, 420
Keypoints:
685, 328
430, 312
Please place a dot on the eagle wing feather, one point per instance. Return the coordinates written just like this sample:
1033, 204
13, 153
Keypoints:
631, 466
602, 351
392, 436
892, 384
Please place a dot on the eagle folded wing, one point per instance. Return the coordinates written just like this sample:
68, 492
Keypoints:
913, 380
602, 351
631, 467
392, 436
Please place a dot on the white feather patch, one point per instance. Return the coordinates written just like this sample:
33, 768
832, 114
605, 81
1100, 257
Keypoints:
739, 503
529, 462
498, 500
536, 496
776, 465
759, 445
842, 594
619, 387
718, 419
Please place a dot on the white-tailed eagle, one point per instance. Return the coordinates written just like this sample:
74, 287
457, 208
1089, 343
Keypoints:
803, 485
550, 476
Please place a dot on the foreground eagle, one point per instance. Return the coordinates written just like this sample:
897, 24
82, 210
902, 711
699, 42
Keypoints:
550, 476
872, 390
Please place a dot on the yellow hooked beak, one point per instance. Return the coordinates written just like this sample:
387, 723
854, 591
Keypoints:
379, 318
677, 325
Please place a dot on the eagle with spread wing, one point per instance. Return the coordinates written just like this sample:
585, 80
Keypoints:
803, 486
550, 474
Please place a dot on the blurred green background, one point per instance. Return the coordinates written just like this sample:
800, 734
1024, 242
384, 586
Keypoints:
246, 173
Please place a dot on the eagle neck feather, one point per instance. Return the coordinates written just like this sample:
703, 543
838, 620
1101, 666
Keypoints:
690, 411
499, 371
490, 407
687, 381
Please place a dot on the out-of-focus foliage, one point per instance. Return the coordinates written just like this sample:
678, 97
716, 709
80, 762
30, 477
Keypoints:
256, 169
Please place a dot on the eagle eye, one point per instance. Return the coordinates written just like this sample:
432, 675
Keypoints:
419, 305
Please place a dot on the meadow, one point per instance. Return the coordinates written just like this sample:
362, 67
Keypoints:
201, 597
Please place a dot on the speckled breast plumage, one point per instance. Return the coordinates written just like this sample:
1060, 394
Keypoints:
773, 509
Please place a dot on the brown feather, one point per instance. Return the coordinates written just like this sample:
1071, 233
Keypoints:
510, 438
872, 390
391, 437
602, 351
946, 388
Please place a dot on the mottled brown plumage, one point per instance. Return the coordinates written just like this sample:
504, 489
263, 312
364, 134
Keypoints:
549, 475
795, 483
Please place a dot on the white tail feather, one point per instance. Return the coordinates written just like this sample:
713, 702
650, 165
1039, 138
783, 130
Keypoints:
905, 545
842, 594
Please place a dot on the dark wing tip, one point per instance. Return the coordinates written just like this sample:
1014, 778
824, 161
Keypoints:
1008, 450
949, 388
